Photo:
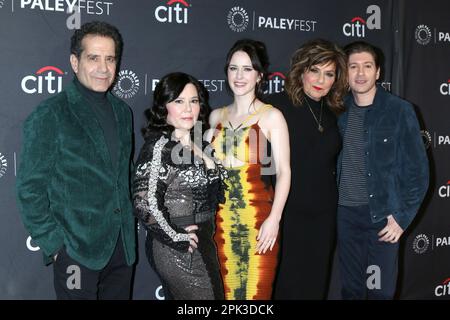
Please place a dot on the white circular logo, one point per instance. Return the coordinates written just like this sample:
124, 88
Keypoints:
3, 165
423, 34
420, 243
237, 19
426, 136
127, 84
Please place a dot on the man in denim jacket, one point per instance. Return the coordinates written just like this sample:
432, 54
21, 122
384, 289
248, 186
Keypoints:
382, 175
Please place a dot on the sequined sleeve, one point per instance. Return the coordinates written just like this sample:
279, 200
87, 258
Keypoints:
217, 178
149, 188
223, 175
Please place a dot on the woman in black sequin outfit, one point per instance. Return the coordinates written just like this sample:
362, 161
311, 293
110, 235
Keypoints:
177, 186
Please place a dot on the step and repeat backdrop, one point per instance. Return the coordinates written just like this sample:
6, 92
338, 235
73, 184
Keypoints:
193, 36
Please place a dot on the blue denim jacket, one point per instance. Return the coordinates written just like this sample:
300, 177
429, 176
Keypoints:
395, 158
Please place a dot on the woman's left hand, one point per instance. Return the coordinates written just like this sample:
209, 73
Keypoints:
267, 235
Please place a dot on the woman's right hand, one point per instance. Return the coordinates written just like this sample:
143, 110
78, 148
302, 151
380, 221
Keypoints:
193, 239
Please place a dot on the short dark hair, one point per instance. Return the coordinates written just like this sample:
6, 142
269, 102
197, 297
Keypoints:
257, 52
362, 46
98, 28
167, 90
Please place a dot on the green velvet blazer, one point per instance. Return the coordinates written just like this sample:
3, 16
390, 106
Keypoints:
68, 192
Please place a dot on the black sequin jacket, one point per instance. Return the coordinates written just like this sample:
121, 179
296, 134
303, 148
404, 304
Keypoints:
172, 189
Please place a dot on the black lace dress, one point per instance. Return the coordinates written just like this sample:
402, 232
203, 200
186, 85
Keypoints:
173, 189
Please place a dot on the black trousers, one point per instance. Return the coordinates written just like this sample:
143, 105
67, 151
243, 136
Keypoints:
308, 243
73, 281
368, 267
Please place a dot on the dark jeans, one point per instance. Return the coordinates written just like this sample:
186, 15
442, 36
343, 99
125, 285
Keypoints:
368, 267
73, 281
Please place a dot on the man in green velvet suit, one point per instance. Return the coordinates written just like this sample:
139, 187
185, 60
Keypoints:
73, 180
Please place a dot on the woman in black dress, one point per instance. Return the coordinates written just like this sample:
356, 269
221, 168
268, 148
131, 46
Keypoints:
315, 86
177, 187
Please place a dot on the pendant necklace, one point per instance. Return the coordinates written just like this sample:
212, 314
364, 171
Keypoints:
319, 122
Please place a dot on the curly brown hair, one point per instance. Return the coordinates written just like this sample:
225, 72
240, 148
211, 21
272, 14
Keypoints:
318, 52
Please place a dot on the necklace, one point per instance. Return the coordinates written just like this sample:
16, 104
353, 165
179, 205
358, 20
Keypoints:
319, 122
249, 116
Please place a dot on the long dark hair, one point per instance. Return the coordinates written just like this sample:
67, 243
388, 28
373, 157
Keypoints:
257, 52
167, 90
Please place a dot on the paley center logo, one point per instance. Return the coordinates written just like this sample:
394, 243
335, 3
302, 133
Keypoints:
444, 191
357, 25
421, 243
424, 34
238, 20
174, 11
3, 165
442, 241
48, 79
127, 84
443, 289
444, 88
275, 83
90, 7
212, 85
443, 140
426, 136
436, 140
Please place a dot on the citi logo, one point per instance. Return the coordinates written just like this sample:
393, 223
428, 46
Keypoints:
386, 85
47, 80
3, 165
357, 26
275, 83
173, 13
443, 289
445, 88
444, 191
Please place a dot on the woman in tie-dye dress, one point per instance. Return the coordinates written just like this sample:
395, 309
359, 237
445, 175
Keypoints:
251, 139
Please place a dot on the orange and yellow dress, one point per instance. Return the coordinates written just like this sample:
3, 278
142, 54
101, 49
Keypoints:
246, 274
